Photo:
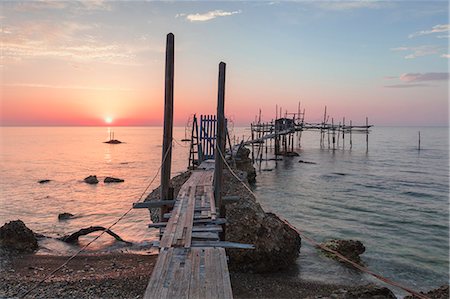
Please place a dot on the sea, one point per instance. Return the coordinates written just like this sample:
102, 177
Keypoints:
391, 196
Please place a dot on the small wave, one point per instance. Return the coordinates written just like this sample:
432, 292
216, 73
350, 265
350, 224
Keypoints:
418, 194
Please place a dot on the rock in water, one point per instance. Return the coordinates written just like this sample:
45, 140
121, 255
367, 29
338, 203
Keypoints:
65, 216
43, 181
439, 293
15, 236
112, 180
92, 179
351, 249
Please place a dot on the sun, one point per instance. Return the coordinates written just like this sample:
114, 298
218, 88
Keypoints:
108, 120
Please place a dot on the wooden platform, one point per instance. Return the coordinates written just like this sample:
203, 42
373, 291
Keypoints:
192, 262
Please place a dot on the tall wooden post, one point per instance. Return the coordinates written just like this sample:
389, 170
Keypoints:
220, 144
168, 124
419, 142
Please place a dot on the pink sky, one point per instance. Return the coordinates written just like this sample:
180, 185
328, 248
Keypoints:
77, 63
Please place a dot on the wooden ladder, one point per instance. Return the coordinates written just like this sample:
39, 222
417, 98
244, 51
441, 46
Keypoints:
195, 148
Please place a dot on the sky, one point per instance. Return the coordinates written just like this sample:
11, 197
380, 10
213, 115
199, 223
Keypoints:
92, 62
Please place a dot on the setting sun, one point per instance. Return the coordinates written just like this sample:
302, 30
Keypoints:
108, 120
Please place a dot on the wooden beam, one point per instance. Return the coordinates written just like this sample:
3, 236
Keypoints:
153, 204
217, 221
168, 121
223, 244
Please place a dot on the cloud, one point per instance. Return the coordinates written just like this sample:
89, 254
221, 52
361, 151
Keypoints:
445, 55
71, 41
209, 15
434, 29
351, 5
406, 85
420, 77
419, 51
410, 80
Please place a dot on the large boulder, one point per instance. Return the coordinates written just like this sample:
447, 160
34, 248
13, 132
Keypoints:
277, 245
92, 179
244, 163
15, 236
439, 293
351, 249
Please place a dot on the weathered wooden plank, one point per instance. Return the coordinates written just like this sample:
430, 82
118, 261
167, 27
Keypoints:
168, 237
224, 244
194, 283
217, 221
205, 236
190, 218
153, 204
155, 285
226, 282
210, 198
203, 228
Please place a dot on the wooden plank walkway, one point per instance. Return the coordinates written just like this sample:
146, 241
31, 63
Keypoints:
192, 262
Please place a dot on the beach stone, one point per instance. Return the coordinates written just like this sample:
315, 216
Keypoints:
15, 236
92, 179
367, 291
65, 216
244, 163
112, 180
351, 249
439, 293
44, 181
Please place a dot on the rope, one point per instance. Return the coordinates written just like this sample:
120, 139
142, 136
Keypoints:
97, 237
323, 247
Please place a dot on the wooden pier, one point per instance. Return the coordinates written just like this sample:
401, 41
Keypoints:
285, 130
192, 261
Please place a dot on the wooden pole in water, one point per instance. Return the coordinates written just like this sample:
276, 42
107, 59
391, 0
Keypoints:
351, 142
220, 142
367, 134
334, 133
419, 142
343, 133
168, 124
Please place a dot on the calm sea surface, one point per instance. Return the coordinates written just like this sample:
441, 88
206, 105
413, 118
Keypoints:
393, 198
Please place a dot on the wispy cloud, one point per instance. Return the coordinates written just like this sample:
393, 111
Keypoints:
434, 29
406, 85
410, 80
351, 5
419, 51
445, 55
37, 85
419, 77
72, 41
207, 16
